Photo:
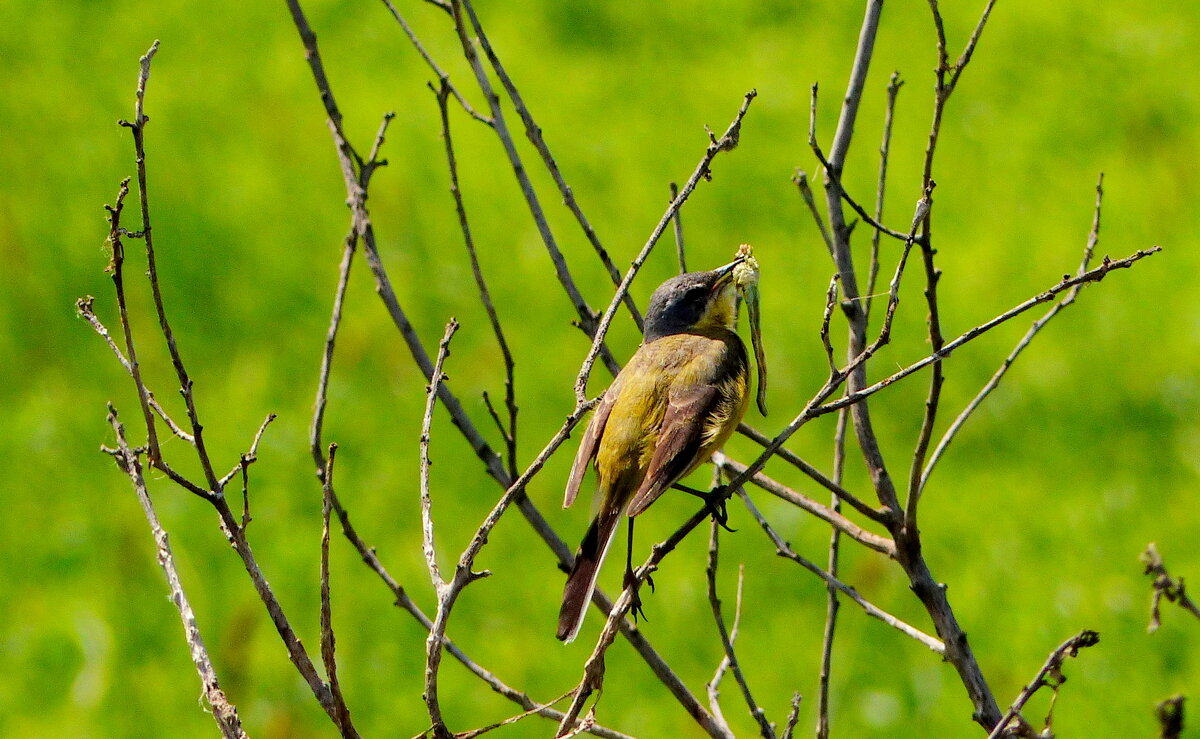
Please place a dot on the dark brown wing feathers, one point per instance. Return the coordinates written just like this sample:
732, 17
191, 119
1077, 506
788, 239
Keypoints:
589, 444
679, 442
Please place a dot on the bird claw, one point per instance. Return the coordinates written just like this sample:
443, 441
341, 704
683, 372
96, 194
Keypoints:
633, 586
715, 501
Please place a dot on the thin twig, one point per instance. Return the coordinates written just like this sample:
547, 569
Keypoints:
328, 640
349, 247
1165, 586
793, 717
832, 604
251, 456
783, 549
677, 222
817, 476
880, 544
433, 652
727, 639
534, 132
223, 712
138, 128
587, 317
969, 49
961, 419
404, 602
508, 721
485, 296
714, 684
1093, 275
826, 316
806, 193
361, 225
727, 142
1050, 675
893, 89
443, 78
85, 307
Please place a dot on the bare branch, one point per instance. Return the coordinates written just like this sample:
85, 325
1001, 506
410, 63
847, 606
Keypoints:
783, 549
328, 640
443, 78
318, 420
534, 132
727, 142
509, 434
1093, 275
832, 603
1050, 675
806, 193
251, 456
793, 717
446, 592
833, 179
357, 179
793, 459
965, 58
84, 307
138, 129
944, 88
511, 720
1034, 329
893, 89
714, 684
756, 711
880, 544
223, 712
677, 222
1165, 586
235, 532
843, 258
587, 317
830, 301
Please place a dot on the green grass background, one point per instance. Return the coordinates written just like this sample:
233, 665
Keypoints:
1088, 451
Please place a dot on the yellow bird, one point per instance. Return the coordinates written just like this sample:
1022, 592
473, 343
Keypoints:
676, 402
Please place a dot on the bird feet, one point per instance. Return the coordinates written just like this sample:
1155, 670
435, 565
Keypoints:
714, 502
631, 584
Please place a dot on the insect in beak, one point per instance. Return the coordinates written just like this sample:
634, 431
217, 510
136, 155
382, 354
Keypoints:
745, 274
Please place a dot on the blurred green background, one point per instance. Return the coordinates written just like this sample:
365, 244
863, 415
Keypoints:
1089, 450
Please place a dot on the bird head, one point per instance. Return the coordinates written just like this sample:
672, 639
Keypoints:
693, 301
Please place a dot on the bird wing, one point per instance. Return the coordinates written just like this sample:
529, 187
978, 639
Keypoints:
679, 442
590, 442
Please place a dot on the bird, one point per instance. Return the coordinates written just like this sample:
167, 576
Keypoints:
677, 400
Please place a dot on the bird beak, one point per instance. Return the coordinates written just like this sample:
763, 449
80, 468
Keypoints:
724, 273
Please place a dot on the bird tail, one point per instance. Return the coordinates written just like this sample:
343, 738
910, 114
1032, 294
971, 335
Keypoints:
582, 580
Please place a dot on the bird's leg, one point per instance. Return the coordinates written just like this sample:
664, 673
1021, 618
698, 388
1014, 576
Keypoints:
714, 500
630, 582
